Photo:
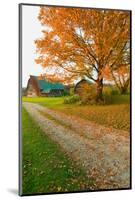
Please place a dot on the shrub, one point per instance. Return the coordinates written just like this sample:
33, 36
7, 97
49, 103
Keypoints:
107, 98
71, 91
107, 94
72, 99
88, 94
115, 92
65, 92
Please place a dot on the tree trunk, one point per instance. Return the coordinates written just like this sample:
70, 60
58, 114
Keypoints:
99, 97
123, 90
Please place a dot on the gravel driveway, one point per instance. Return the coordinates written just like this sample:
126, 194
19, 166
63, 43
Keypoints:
103, 152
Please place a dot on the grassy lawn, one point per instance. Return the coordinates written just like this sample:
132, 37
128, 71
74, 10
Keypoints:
46, 168
116, 115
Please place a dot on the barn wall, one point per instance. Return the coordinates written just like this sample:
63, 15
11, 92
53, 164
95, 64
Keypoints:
31, 92
32, 88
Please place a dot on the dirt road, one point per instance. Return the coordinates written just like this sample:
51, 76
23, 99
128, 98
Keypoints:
104, 153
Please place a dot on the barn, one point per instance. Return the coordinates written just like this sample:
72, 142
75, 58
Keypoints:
79, 87
40, 87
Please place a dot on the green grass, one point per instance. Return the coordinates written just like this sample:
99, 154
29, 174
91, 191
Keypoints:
120, 99
58, 101
116, 115
47, 168
51, 102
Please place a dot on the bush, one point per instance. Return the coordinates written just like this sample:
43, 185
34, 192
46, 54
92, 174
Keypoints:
65, 93
115, 92
72, 99
107, 95
71, 91
88, 94
107, 98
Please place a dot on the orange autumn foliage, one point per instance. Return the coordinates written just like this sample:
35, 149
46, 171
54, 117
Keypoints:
83, 43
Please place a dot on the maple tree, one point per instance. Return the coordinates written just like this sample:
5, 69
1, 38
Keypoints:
119, 73
83, 43
121, 77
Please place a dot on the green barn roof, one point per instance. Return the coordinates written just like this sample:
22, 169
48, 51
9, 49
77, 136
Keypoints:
46, 86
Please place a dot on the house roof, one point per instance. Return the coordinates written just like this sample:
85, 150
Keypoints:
46, 86
83, 80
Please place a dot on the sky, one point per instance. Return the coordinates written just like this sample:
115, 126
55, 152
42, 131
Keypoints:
31, 30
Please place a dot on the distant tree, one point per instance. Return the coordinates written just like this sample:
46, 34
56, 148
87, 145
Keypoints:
119, 72
82, 43
121, 77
